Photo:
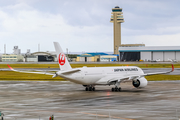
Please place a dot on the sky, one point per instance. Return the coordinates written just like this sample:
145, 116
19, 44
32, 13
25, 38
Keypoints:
84, 25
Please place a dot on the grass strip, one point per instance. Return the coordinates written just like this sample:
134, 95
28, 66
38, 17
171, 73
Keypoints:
162, 77
10, 75
88, 65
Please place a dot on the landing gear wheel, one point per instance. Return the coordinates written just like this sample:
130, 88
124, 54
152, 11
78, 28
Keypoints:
93, 89
116, 89
86, 89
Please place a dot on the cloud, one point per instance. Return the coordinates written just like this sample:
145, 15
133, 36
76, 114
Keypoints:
85, 25
153, 40
151, 17
29, 27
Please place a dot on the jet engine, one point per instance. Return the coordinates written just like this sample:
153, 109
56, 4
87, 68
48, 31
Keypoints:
140, 83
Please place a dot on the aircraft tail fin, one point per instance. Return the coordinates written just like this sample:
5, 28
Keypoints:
62, 60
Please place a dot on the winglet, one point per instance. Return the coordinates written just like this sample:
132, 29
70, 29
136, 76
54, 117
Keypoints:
10, 67
172, 68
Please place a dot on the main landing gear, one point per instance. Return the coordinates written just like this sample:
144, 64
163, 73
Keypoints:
116, 89
90, 88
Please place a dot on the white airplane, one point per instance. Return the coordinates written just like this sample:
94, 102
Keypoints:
89, 77
157, 60
172, 60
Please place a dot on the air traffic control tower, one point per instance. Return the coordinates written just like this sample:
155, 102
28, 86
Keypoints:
117, 19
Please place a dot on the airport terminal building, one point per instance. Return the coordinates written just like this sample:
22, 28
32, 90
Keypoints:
149, 53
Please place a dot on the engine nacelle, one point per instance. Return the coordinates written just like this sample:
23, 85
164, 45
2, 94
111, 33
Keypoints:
140, 83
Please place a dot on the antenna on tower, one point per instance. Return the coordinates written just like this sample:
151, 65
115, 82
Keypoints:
38, 47
5, 49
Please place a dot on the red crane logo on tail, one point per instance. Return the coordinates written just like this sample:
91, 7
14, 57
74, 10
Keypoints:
62, 59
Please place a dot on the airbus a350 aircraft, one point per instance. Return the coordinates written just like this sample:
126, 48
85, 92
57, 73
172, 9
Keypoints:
89, 77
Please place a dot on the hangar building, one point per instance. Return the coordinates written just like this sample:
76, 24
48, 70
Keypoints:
109, 58
41, 57
90, 57
12, 58
149, 53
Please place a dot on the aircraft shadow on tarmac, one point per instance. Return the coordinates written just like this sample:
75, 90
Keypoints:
122, 91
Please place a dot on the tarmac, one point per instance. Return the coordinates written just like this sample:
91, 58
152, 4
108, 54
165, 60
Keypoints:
38, 100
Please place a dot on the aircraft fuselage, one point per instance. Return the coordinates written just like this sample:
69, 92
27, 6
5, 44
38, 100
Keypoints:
95, 75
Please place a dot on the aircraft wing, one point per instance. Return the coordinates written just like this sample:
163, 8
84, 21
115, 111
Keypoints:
124, 79
70, 71
45, 73
159, 72
111, 79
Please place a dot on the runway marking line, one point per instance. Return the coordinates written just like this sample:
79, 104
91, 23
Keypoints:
85, 113
106, 116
